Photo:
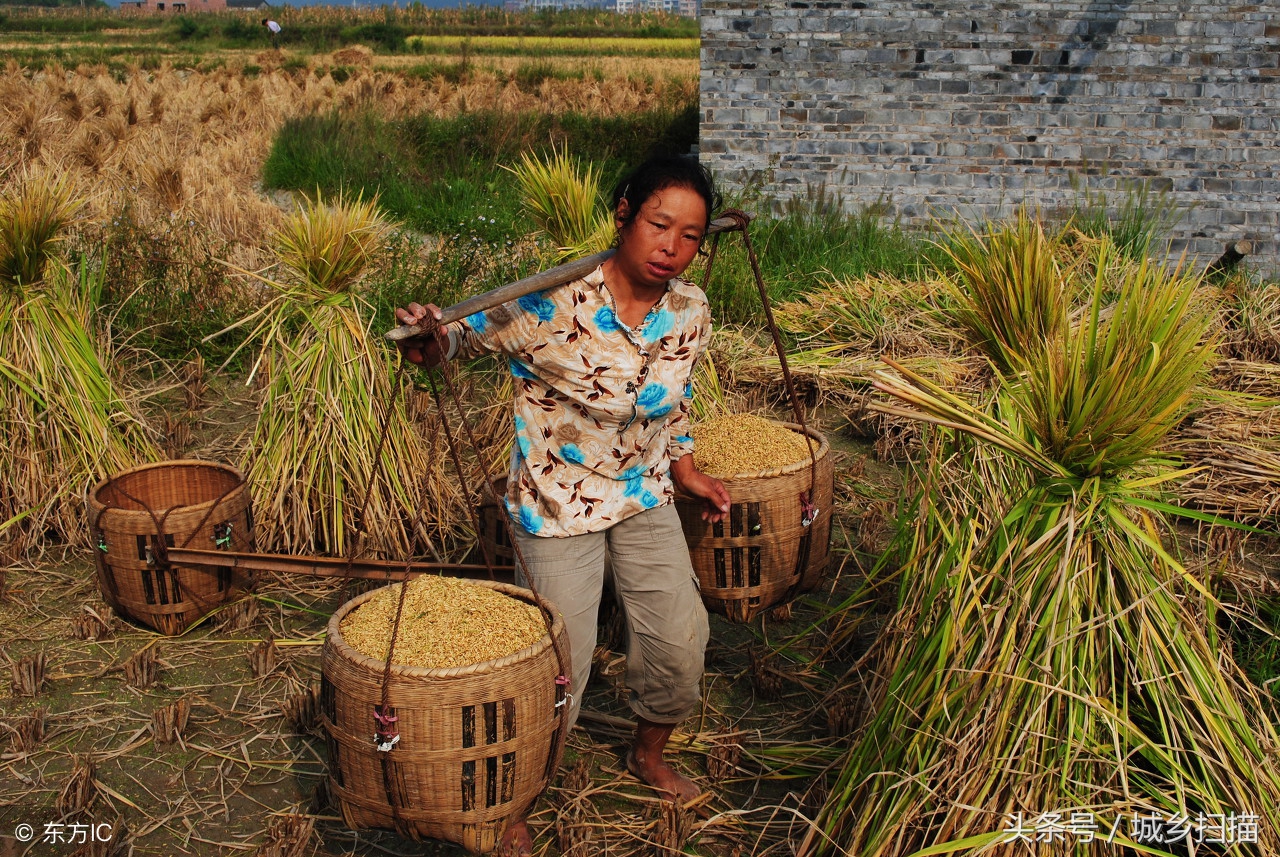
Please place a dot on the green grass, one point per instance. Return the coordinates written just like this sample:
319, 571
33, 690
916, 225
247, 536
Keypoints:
445, 270
810, 239
562, 46
1256, 650
443, 176
528, 76
396, 30
19, 20
1136, 223
118, 60
164, 292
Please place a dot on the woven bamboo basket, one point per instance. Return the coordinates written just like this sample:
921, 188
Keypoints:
763, 554
136, 514
477, 744
493, 532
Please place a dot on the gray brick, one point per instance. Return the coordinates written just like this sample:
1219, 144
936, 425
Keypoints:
865, 107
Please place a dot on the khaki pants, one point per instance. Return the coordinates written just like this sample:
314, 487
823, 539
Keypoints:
653, 577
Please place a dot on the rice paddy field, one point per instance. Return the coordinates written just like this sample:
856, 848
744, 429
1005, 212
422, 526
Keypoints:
1051, 595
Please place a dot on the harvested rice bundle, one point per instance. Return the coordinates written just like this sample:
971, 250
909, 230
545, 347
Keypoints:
64, 420
745, 443
1011, 289
313, 456
445, 623
1048, 649
562, 196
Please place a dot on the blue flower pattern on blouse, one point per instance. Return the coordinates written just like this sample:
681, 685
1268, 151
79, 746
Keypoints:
650, 400
633, 486
522, 437
658, 324
539, 305
589, 443
607, 320
529, 519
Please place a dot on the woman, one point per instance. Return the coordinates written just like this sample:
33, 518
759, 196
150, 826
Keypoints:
603, 369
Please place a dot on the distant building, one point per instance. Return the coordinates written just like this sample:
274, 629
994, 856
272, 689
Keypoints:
554, 5
180, 6
175, 6
685, 8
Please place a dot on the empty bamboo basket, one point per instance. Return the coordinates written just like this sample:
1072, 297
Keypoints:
135, 515
763, 553
474, 746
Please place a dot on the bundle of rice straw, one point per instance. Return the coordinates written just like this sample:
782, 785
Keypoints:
311, 456
1050, 654
66, 423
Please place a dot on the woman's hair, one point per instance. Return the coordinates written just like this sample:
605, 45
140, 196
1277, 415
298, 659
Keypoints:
659, 173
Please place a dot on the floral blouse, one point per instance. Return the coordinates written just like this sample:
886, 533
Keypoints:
601, 409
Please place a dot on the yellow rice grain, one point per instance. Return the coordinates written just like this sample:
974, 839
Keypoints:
744, 443
446, 623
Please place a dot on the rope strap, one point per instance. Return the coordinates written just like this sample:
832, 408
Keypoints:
808, 512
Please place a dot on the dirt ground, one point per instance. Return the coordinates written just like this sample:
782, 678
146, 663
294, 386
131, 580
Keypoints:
86, 768
241, 766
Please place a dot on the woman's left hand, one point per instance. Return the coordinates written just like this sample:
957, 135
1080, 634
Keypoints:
698, 484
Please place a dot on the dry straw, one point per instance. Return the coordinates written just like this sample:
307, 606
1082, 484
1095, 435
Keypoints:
1049, 653
127, 136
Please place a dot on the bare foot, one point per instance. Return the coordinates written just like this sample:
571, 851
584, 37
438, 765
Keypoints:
661, 777
516, 841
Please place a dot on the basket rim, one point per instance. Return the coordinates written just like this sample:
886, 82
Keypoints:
91, 496
333, 635
794, 467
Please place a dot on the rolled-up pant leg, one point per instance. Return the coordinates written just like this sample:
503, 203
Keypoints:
569, 572
667, 625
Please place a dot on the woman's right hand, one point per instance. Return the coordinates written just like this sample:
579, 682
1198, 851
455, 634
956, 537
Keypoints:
423, 350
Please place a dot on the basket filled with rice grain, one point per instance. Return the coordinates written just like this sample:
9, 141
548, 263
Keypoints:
471, 725
774, 543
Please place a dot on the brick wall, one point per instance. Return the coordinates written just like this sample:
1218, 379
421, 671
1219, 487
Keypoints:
974, 107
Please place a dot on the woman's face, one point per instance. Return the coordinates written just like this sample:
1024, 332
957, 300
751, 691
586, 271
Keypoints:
664, 236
